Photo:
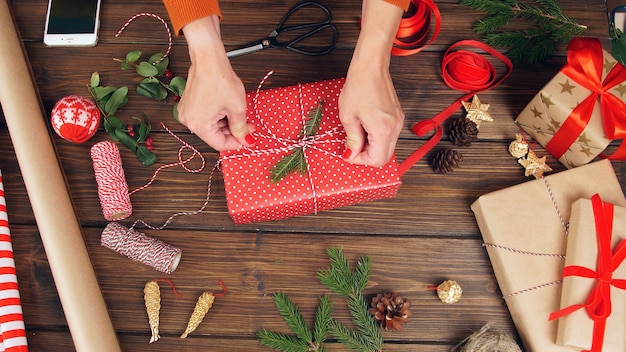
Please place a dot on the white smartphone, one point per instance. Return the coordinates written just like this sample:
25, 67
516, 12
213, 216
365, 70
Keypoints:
72, 23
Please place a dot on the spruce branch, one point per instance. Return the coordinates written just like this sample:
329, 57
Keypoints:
548, 27
304, 340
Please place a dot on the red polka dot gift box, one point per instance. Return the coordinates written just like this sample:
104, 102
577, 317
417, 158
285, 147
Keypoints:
324, 182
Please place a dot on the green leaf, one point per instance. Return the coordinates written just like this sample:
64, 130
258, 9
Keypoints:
95, 80
175, 112
294, 161
146, 69
161, 65
152, 88
133, 56
144, 128
177, 85
126, 140
125, 65
145, 156
101, 92
110, 125
117, 99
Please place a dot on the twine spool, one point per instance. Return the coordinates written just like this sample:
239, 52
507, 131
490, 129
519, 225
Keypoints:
112, 186
487, 339
140, 247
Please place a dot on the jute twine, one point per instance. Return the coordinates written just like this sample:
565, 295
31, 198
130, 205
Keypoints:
487, 339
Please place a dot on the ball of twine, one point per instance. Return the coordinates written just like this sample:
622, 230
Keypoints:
487, 339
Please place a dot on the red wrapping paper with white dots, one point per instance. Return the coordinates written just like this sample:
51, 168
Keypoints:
329, 181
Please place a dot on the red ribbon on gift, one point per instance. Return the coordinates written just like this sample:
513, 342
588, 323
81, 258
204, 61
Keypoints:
598, 305
585, 62
466, 71
415, 26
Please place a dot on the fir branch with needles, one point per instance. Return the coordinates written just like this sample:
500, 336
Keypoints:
548, 27
340, 279
305, 340
295, 161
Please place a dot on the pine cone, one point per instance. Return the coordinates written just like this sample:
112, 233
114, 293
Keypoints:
463, 132
390, 310
446, 160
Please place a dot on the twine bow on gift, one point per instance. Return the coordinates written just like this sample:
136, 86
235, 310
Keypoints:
598, 305
585, 63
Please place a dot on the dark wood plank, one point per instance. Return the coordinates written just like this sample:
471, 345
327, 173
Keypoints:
424, 235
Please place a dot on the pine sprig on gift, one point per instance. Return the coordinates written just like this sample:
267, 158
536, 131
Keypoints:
295, 161
305, 339
549, 26
340, 279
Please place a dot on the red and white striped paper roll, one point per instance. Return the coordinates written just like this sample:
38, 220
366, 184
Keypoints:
13, 338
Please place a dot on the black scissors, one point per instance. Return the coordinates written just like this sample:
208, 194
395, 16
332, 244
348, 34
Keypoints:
295, 44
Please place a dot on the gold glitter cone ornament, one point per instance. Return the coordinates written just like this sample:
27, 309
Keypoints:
448, 291
152, 298
204, 303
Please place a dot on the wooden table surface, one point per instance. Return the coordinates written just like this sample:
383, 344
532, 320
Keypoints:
424, 235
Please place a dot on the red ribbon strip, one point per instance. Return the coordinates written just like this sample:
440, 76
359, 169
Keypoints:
585, 62
598, 305
415, 27
466, 71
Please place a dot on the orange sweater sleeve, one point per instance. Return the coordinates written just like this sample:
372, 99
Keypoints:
403, 4
184, 11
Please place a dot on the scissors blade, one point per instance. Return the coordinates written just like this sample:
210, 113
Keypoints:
248, 49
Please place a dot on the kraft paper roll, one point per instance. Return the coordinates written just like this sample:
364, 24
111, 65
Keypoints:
61, 234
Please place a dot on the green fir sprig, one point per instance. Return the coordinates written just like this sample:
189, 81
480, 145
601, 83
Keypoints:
305, 339
618, 44
295, 161
548, 27
339, 278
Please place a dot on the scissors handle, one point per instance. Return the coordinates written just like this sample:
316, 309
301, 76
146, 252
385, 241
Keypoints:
281, 25
293, 44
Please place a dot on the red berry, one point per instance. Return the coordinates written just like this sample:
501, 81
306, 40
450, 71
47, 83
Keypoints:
149, 141
168, 73
177, 98
131, 130
150, 147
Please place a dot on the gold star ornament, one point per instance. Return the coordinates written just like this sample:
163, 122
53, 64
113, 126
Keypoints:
477, 111
534, 165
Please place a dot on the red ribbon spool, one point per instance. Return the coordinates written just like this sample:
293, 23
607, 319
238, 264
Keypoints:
415, 27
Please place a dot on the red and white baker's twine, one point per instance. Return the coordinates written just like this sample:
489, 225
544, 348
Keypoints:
167, 28
553, 255
116, 205
306, 142
12, 330
140, 247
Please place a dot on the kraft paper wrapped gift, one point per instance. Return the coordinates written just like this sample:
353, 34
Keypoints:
521, 222
577, 114
577, 328
279, 116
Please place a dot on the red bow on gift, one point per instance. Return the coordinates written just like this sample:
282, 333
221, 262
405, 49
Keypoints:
598, 304
585, 62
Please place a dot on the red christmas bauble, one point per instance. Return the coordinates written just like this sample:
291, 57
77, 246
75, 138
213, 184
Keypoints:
75, 118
